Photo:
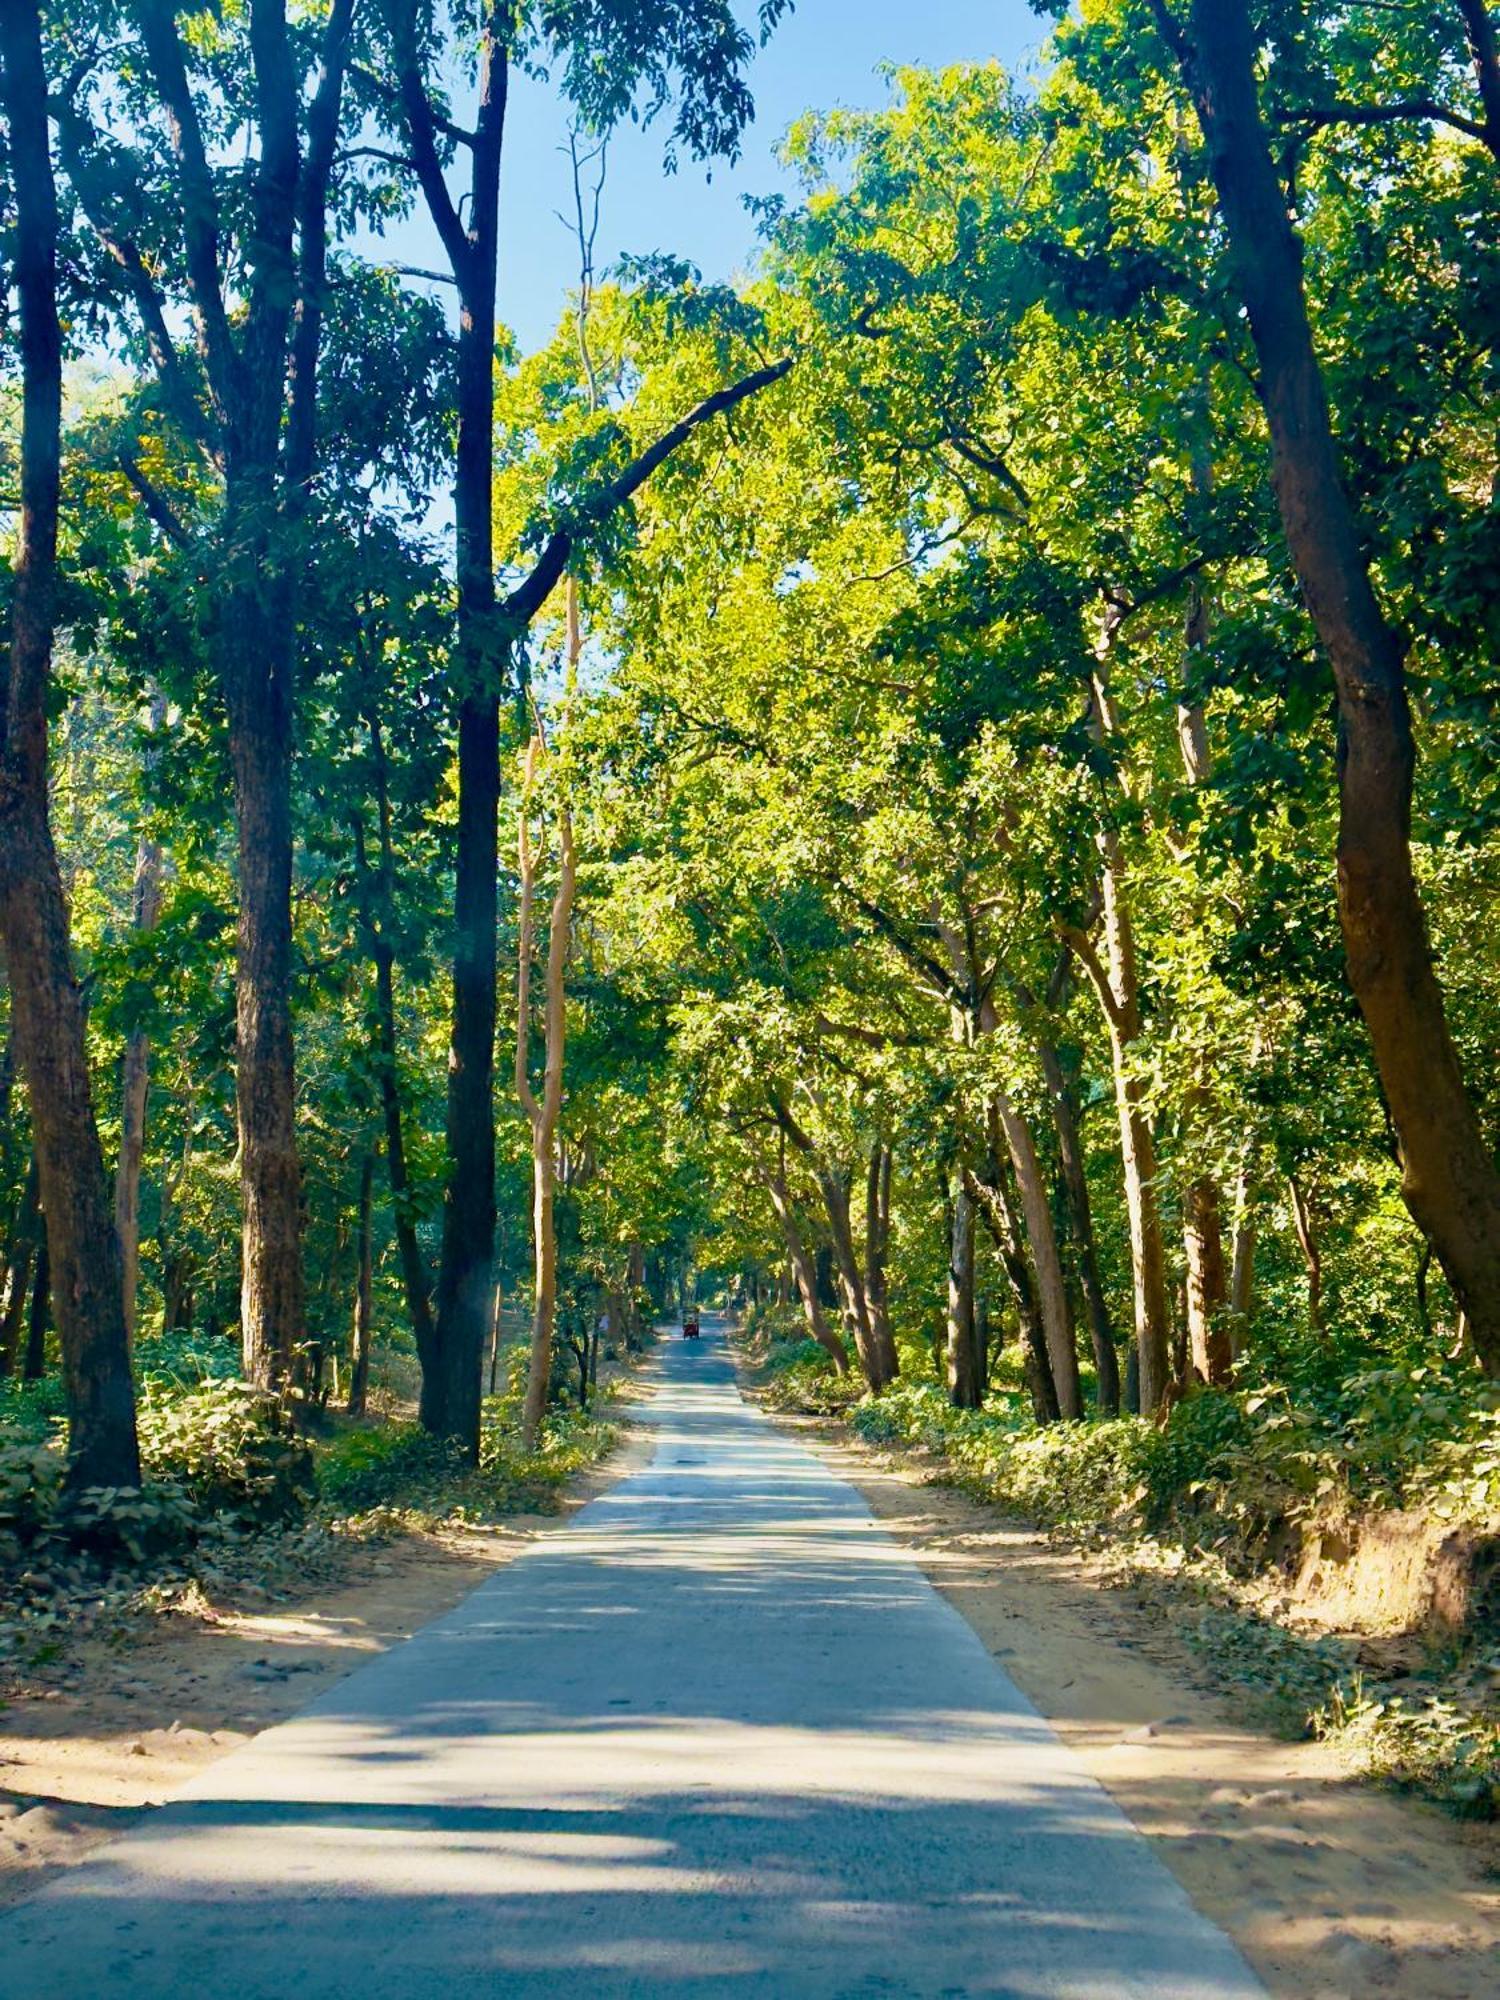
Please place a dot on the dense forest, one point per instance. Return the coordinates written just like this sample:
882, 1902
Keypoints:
948, 793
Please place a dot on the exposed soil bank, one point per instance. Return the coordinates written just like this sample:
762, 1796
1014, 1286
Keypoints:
1333, 1890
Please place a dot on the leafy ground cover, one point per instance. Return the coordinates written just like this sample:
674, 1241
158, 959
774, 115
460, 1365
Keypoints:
237, 1493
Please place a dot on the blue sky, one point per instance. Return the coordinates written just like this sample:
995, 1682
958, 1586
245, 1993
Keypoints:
827, 52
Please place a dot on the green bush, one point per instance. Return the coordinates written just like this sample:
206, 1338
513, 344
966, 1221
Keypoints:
384, 1464
230, 1448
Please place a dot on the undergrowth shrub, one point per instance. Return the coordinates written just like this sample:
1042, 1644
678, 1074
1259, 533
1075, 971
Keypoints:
230, 1448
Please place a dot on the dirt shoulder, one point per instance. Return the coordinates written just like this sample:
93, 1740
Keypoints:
1331, 1888
94, 1740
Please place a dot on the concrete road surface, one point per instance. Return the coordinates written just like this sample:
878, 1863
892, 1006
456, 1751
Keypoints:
718, 1736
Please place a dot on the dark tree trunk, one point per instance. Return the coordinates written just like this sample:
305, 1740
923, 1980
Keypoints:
965, 1365
272, 1296
39, 1318
26, 1237
376, 912
1064, 1106
1449, 1178
451, 1385
364, 1289
47, 1007
993, 1204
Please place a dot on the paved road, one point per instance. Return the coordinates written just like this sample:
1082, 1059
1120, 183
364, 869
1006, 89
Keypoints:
717, 1737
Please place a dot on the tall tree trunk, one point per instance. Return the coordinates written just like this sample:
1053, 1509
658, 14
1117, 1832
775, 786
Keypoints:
1209, 1357
27, 1235
544, 1112
136, 1072
47, 1008
1052, 1291
877, 1244
38, 1319
364, 1289
993, 1203
1449, 1178
451, 1387
376, 887
966, 1383
1064, 1107
1305, 1223
273, 1307
803, 1269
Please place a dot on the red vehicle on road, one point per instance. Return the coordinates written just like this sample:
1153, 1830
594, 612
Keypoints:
690, 1323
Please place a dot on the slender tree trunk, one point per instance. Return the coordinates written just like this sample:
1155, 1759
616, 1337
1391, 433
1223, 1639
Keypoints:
1081, 1223
993, 1204
544, 1113
26, 1238
39, 1318
1209, 1357
1449, 1178
966, 1383
1242, 1278
47, 1007
877, 1244
364, 1289
136, 1076
1052, 1291
804, 1271
376, 911
1305, 1224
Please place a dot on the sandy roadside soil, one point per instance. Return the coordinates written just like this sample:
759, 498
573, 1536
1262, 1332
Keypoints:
94, 1743
1333, 1889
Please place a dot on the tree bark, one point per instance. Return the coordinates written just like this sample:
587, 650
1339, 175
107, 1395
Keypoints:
1449, 1178
1209, 1357
26, 1237
451, 1384
364, 1289
376, 897
993, 1204
1064, 1106
877, 1245
47, 1007
1305, 1224
136, 1071
39, 1318
544, 1112
966, 1384
804, 1270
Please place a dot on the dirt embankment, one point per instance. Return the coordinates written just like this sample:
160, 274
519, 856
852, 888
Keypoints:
1334, 1890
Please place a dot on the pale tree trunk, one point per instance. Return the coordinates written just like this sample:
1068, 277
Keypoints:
136, 1076
1036, 1214
1304, 1220
1117, 988
803, 1268
1209, 1357
543, 1112
47, 1005
364, 1289
1449, 1178
1242, 1273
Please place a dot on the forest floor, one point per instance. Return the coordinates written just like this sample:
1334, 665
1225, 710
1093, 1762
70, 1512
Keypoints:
125, 1711
1331, 1887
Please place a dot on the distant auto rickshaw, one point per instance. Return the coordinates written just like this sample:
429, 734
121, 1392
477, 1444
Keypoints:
690, 1323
